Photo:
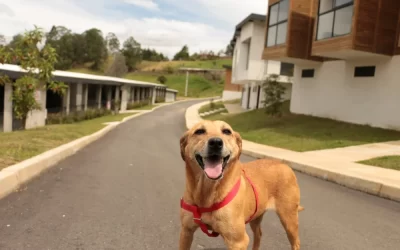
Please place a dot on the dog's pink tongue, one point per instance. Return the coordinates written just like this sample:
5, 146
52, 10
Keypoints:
213, 169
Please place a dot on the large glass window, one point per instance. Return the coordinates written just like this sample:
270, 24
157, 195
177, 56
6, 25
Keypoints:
334, 18
277, 23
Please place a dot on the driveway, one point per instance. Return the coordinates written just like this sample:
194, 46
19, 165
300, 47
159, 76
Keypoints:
122, 192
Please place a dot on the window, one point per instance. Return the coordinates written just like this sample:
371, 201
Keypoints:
287, 69
277, 23
365, 71
307, 73
334, 18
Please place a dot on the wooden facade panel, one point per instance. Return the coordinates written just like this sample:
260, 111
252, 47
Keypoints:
332, 44
386, 35
274, 53
365, 27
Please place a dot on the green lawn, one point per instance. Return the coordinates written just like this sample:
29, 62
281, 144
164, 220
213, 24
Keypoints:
390, 162
147, 107
21, 145
209, 107
302, 133
198, 85
209, 64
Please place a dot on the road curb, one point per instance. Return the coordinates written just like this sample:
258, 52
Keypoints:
350, 180
13, 177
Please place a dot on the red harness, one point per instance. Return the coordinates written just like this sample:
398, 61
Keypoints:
197, 211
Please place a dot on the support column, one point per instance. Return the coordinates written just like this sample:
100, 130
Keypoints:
187, 83
67, 99
8, 117
125, 97
153, 96
116, 97
98, 96
85, 96
109, 97
79, 95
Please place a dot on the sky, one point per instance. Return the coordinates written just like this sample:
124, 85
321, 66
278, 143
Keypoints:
165, 25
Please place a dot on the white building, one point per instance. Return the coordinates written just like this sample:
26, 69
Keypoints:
248, 67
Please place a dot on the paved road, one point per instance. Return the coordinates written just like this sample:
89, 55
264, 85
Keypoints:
123, 192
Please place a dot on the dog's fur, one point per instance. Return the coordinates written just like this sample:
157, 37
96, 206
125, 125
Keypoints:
274, 181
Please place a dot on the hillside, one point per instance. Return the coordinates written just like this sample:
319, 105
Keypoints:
200, 85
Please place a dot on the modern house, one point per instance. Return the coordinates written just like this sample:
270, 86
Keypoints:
249, 69
346, 56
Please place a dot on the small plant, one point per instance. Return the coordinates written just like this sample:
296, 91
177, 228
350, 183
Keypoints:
169, 70
162, 79
274, 91
115, 105
212, 104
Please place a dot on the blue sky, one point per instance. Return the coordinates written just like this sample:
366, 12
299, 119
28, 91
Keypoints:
165, 25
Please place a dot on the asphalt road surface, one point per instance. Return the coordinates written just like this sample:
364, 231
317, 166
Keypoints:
123, 191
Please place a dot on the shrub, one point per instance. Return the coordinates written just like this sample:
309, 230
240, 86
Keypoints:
273, 90
77, 116
160, 99
169, 69
162, 79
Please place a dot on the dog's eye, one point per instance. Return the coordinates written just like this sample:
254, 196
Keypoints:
200, 131
226, 131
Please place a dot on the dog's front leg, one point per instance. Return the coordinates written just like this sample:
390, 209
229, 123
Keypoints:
235, 237
186, 237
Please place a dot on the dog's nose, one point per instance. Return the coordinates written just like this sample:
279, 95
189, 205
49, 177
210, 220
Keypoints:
215, 143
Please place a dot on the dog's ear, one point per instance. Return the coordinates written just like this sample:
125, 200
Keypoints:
183, 143
238, 141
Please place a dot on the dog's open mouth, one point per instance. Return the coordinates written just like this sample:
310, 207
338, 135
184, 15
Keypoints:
213, 165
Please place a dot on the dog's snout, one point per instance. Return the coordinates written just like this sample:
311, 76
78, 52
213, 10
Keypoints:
215, 143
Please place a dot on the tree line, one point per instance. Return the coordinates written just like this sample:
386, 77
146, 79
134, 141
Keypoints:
93, 48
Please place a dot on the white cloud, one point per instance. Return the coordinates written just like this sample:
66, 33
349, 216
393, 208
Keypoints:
148, 4
164, 35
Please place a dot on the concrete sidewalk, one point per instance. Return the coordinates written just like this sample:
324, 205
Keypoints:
335, 165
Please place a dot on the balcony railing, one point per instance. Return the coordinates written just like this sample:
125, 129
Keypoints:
334, 18
277, 23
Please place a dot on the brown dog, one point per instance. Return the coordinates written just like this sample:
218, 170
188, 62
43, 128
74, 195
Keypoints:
222, 194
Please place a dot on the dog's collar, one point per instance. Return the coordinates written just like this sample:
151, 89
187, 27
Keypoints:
197, 211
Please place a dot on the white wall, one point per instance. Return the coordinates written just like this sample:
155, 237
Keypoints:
231, 95
335, 93
170, 96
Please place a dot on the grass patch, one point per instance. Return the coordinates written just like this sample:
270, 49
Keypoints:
390, 162
198, 85
208, 107
21, 145
302, 133
146, 107
208, 64
236, 101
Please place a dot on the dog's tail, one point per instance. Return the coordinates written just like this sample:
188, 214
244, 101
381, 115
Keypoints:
300, 208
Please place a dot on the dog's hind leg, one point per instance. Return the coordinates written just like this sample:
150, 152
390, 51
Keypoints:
256, 228
289, 216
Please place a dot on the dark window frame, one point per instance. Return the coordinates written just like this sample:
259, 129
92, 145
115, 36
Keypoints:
284, 73
276, 24
334, 10
364, 71
304, 73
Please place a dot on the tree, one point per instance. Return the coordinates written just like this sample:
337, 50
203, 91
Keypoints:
118, 66
39, 65
61, 39
96, 49
183, 54
162, 79
273, 90
132, 52
2, 41
113, 43
229, 50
